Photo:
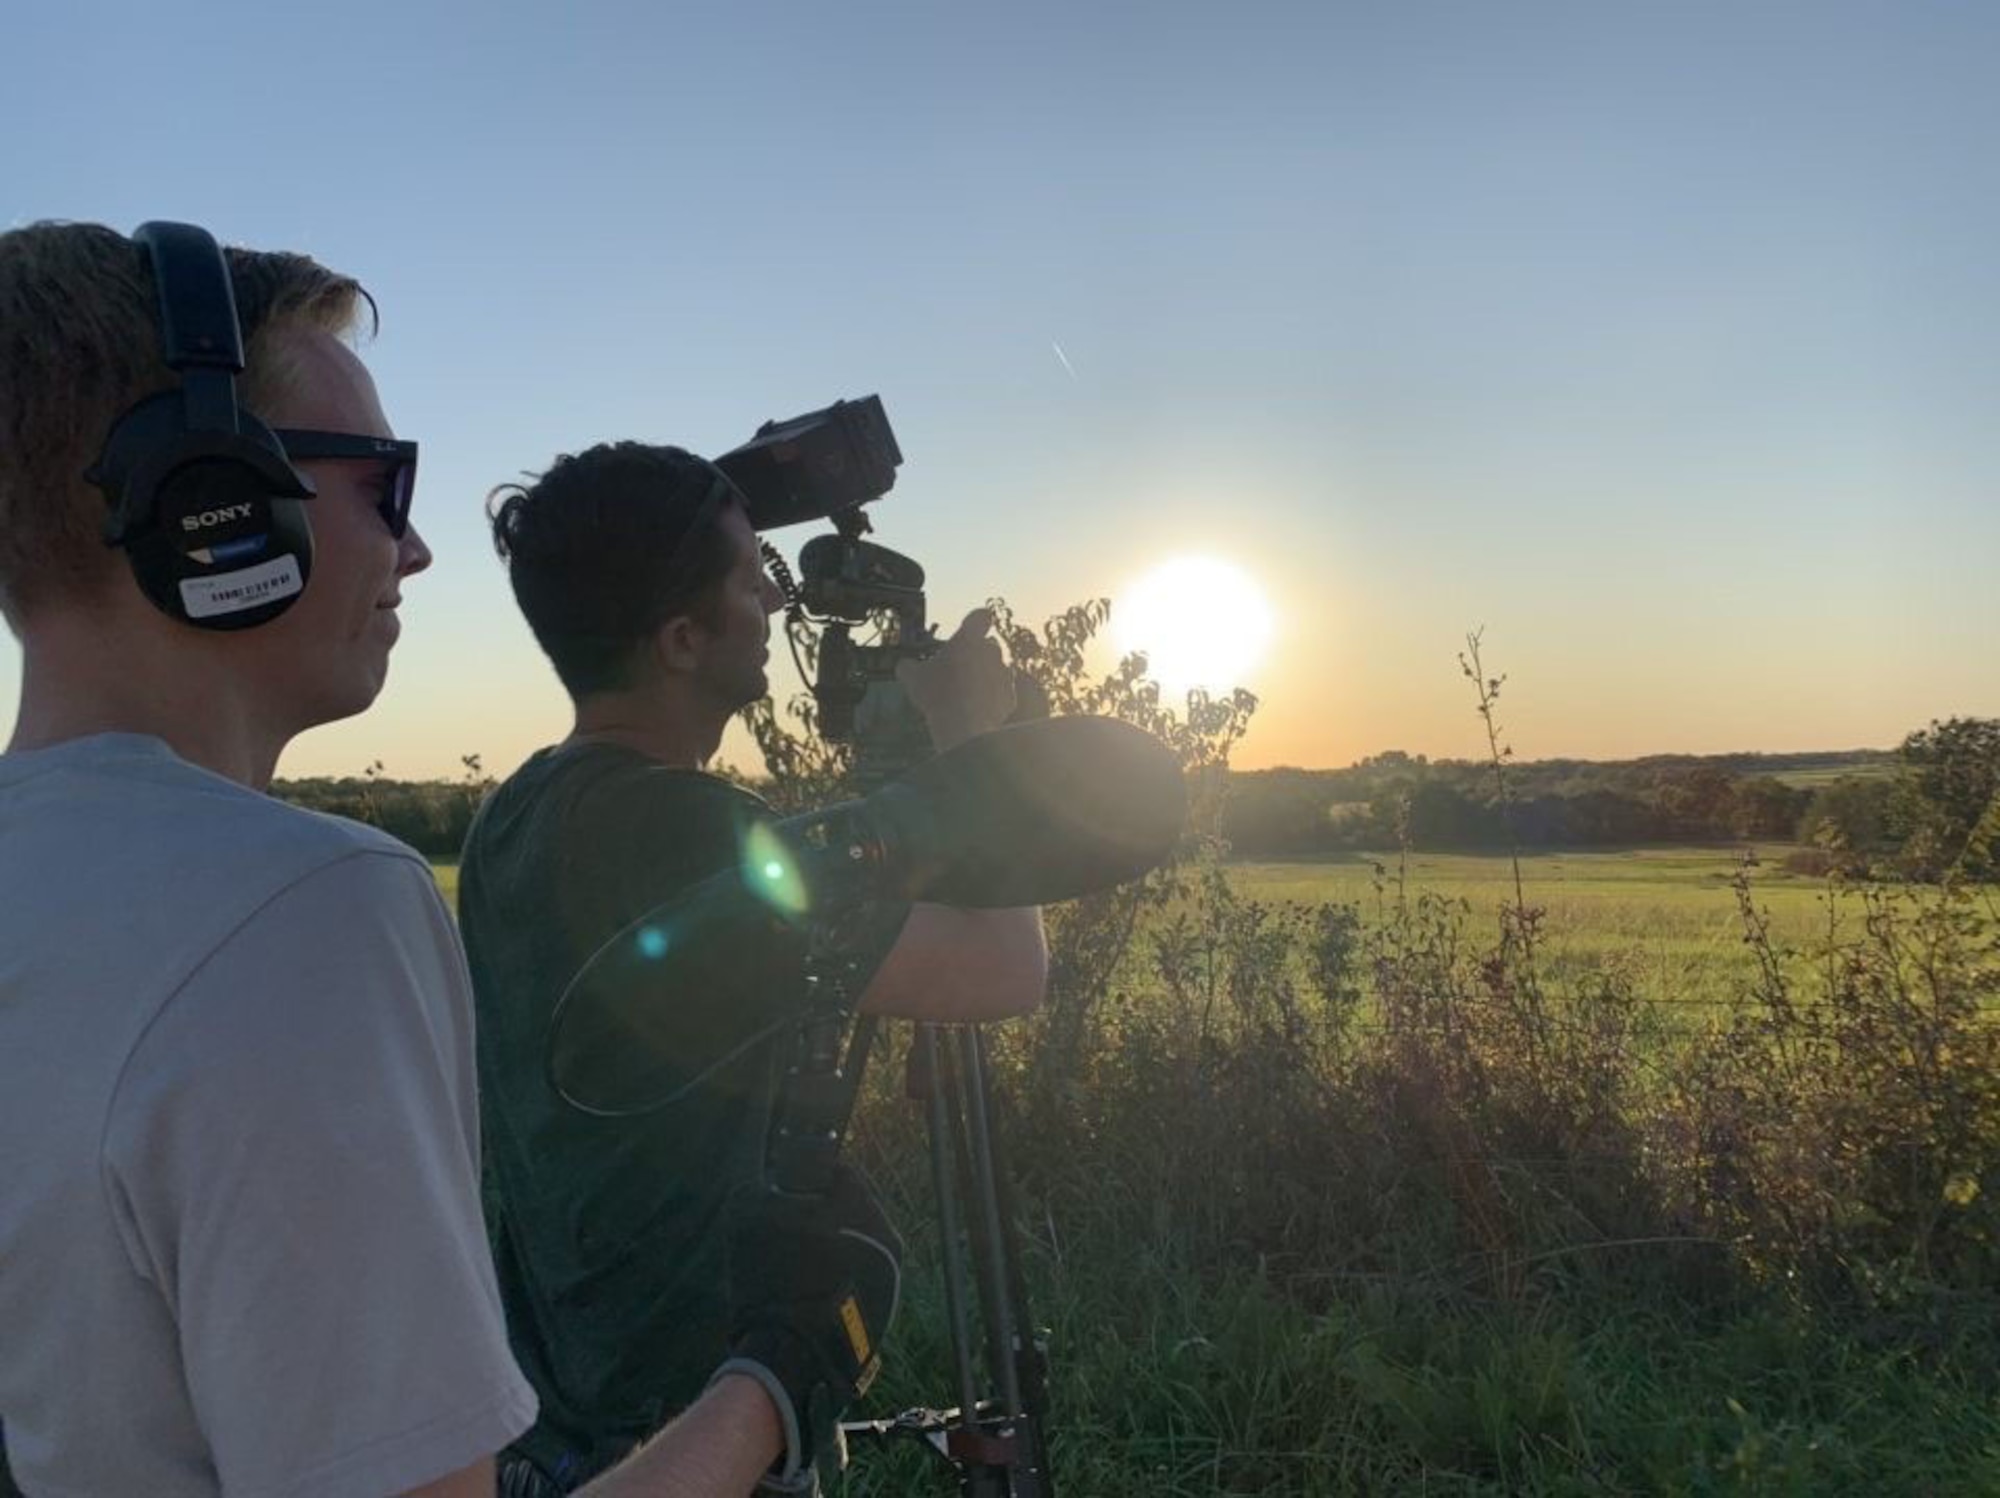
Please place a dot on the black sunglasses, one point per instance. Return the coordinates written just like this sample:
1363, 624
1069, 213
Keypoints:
721, 491
400, 484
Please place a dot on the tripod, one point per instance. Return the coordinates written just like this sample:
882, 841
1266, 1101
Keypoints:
995, 1441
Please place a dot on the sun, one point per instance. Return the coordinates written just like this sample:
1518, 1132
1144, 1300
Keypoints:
1201, 622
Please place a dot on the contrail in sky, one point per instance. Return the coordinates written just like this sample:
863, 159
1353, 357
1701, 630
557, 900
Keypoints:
1068, 368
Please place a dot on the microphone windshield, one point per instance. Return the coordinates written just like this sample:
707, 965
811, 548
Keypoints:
1031, 814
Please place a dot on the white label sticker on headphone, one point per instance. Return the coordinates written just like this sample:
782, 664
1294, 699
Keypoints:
233, 592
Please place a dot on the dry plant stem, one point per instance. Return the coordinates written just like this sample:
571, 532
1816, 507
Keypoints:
1488, 688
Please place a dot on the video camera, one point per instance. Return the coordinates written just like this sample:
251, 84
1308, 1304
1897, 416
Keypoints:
827, 464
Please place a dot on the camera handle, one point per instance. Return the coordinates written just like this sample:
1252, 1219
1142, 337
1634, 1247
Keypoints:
816, 1096
995, 1442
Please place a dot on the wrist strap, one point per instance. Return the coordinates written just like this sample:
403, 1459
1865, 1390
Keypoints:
753, 1359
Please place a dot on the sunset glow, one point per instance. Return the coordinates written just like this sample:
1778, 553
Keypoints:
1201, 622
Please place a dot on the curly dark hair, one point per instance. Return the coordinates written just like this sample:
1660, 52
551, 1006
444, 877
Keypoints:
600, 554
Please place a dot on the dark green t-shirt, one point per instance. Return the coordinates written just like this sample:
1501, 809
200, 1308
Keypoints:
606, 1231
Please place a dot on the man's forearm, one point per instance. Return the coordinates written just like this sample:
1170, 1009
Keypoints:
962, 966
719, 1447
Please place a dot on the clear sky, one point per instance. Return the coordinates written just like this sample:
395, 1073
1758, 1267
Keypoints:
1661, 340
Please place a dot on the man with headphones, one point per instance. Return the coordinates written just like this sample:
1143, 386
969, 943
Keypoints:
241, 1248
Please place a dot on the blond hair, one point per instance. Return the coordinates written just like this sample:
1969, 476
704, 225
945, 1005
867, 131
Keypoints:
79, 344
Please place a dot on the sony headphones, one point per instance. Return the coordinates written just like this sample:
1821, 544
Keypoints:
207, 507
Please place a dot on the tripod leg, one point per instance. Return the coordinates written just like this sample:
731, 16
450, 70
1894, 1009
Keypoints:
999, 1448
926, 1083
989, 1231
1028, 1355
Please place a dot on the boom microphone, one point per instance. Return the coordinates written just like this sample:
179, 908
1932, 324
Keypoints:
1026, 815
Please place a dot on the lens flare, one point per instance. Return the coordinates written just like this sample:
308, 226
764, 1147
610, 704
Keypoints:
770, 871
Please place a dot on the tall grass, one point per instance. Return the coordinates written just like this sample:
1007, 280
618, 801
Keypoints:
1315, 1208
1379, 1196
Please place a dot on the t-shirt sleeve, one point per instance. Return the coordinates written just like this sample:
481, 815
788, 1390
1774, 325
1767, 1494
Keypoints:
660, 830
664, 831
674, 843
292, 1157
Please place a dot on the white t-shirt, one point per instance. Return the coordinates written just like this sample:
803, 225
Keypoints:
241, 1248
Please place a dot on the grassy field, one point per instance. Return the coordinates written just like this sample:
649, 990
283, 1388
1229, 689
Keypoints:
1813, 779
1667, 913
1667, 917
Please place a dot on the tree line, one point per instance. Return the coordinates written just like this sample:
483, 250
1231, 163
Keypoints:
1927, 809
432, 816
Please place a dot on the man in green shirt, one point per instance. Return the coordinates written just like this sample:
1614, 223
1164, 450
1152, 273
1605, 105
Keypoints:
639, 573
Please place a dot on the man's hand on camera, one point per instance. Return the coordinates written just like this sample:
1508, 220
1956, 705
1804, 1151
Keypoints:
965, 689
813, 1285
